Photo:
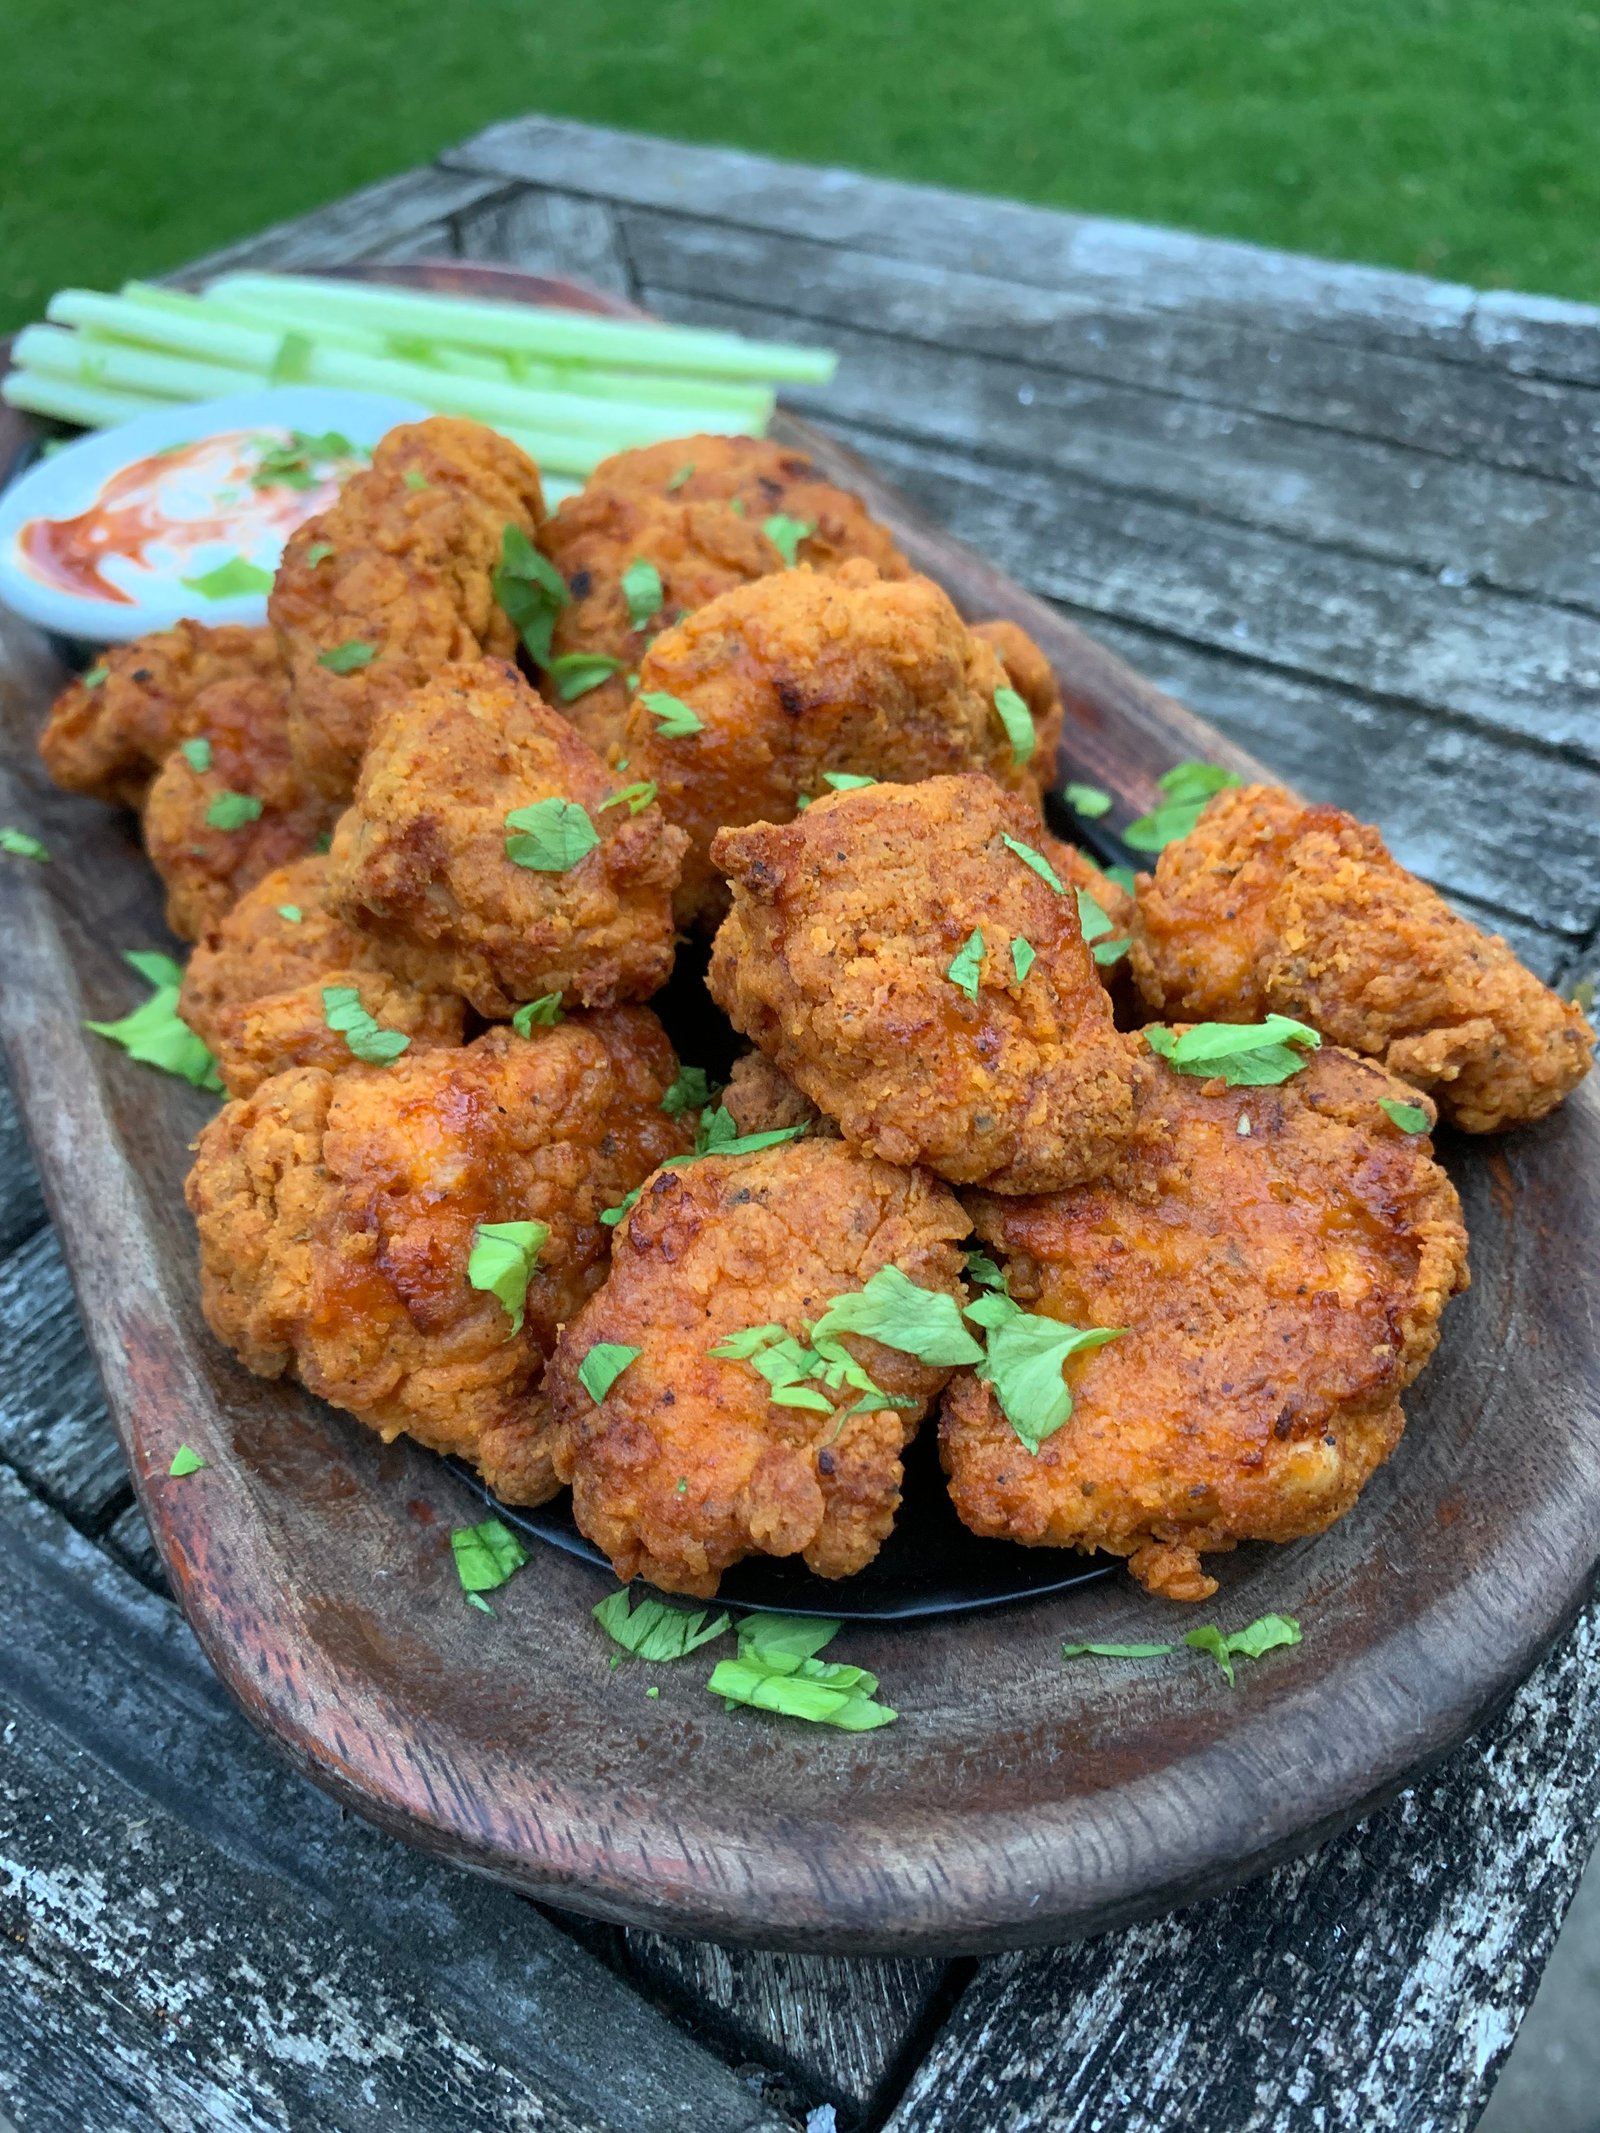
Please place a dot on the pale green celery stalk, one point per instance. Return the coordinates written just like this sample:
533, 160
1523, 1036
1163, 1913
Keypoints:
186, 331
123, 367
94, 407
626, 344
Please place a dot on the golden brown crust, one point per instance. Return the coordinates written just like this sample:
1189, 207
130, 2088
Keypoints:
1269, 905
253, 987
420, 858
1034, 679
799, 674
1280, 1288
761, 1100
698, 551
204, 867
711, 1248
835, 960
109, 739
768, 480
407, 570
337, 1215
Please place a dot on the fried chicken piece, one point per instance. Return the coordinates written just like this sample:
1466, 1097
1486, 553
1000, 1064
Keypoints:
422, 859
241, 737
688, 1464
1034, 679
1269, 905
401, 584
761, 1100
253, 988
837, 959
338, 1213
1279, 1287
109, 737
696, 550
768, 480
799, 676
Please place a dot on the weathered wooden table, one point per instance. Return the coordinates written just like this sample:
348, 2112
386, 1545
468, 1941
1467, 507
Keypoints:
1352, 516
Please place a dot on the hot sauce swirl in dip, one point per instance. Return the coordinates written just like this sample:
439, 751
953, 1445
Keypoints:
178, 512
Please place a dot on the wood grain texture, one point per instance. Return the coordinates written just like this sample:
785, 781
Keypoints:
396, 214
1033, 1804
21, 1200
54, 1429
1378, 1983
133, 1768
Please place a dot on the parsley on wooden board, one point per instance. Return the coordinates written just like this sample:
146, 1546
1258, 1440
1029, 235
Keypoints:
185, 1460
486, 1555
21, 846
778, 1670
652, 1630
1089, 801
153, 1033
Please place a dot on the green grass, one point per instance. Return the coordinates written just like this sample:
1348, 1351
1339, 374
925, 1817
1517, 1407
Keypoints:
1457, 137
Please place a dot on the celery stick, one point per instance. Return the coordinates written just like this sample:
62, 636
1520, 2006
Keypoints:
94, 407
189, 331
626, 344
124, 367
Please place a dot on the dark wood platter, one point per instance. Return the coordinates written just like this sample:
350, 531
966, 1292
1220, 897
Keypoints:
1019, 1799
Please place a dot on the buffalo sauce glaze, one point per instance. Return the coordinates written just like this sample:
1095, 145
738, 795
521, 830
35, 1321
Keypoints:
158, 513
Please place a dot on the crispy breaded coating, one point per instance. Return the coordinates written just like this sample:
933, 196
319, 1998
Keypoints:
253, 987
403, 570
761, 1100
207, 866
1271, 905
800, 675
1279, 1287
768, 480
688, 1464
836, 960
1034, 679
109, 737
337, 1217
697, 551
422, 859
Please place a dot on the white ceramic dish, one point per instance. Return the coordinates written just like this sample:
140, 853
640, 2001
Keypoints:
71, 480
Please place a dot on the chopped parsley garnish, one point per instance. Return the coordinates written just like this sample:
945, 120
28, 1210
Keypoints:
153, 1034
414, 479
232, 810
530, 590
787, 533
1023, 958
1018, 722
846, 780
576, 673
716, 1134
486, 1555
1096, 924
230, 580
1267, 1634
987, 1275
652, 1630
690, 1091
674, 719
318, 552
636, 798
1251, 1055
1116, 1651
1023, 1361
787, 1363
504, 1256
611, 1216
186, 1460
291, 912
289, 466
349, 657
367, 1039
1036, 860
197, 754
21, 846
777, 1670
966, 966
545, 1012
1123, 877
553, 835
1186, 789
894, 1311
603, 1365
96, 675
676, 481
1410, 1118
642, 589
1087, 800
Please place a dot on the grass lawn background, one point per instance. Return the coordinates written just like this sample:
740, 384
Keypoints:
1457, 137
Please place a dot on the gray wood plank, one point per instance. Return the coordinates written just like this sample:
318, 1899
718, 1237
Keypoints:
127, 1538
1505, 665
148, 1758
21, 1200
548, 233
366, 224
1485, 821
1199, 371
54, 1429
1378, 1983
847, 2030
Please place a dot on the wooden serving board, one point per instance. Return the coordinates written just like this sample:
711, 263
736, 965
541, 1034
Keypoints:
1018, 1799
